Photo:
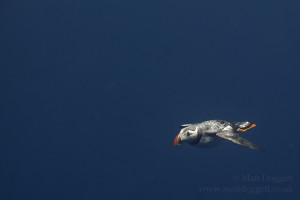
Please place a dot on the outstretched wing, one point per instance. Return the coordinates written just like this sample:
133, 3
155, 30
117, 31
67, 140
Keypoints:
235, 138
184, 125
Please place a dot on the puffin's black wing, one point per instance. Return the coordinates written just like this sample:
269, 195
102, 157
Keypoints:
184, 125
235, 138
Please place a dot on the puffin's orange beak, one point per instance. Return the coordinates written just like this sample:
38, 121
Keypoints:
177, 141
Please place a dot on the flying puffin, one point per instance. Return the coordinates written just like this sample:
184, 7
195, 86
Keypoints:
213, 132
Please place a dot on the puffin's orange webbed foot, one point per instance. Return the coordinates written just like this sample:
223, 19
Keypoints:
245, 129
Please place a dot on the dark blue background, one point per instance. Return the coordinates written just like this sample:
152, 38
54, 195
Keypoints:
93, 93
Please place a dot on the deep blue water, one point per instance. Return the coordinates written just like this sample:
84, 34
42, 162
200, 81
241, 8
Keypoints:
93, 93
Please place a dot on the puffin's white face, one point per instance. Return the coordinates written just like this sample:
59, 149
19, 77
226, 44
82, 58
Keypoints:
186, 135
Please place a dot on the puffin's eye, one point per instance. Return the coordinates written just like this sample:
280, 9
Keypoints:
188, 133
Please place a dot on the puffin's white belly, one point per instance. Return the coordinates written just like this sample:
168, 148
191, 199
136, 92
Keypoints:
209, 141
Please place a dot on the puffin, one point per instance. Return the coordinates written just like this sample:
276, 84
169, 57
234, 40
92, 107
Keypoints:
212, 133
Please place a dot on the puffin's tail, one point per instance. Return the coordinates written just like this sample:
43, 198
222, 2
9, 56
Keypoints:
243, 126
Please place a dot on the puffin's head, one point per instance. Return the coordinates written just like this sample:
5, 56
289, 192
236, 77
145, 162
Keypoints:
187, 133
